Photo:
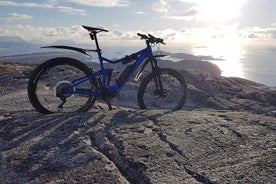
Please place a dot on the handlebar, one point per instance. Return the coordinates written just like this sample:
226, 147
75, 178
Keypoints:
151, 39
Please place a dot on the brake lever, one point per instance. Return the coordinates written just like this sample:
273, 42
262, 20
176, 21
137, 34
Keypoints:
159, 40
156, 40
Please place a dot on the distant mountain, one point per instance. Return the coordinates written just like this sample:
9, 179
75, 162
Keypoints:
182, 56
38, 42
12, 40
64, 42
192, 65
12, 45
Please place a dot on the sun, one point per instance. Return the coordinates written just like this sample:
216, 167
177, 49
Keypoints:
219, 10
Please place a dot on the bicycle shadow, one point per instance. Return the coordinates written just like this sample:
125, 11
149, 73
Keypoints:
39, 146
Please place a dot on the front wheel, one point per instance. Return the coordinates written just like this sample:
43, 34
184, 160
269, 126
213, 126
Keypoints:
169, 92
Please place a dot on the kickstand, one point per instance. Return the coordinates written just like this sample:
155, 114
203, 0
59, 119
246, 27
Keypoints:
109, 106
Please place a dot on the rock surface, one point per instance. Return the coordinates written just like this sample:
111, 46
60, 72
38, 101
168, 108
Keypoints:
229, 93
225, 134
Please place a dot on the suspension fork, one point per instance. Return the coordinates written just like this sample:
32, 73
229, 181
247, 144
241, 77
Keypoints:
157, 78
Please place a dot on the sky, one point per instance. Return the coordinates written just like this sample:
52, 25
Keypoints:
197, 22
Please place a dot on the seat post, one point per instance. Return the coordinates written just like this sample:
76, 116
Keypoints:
97, 43
99, 51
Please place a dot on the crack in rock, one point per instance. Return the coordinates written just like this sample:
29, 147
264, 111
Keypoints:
198, 177
111, 148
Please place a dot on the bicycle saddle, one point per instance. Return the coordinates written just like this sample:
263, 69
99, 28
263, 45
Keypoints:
94, 29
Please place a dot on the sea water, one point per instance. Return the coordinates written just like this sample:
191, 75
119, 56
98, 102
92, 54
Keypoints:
253, 63
256, 64
260, 65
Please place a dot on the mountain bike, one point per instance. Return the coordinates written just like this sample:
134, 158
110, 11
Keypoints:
65, 84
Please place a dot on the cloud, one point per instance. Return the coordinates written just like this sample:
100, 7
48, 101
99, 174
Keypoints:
51, 4
11, 3
140, 12
211, 11
161, 6
71, 10
75, 33
101, 3
201, 35
258, 33
16, 16
45, 34
273, 33
176, 9
188, 14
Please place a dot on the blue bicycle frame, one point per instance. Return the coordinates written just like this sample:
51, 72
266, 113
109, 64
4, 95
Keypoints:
103, 73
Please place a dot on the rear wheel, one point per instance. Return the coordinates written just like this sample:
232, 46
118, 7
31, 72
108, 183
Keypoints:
50, 80
171, 94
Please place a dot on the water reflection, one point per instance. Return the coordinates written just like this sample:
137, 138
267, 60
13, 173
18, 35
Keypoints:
229, 58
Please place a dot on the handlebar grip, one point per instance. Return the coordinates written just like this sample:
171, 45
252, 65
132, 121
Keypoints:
143, 36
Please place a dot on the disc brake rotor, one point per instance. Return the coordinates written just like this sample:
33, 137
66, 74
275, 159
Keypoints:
160, 93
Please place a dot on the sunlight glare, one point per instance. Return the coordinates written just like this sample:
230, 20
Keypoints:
230, 56
219, 10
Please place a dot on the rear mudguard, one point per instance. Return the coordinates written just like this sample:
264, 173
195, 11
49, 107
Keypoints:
139, 73
81, 50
